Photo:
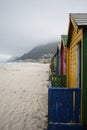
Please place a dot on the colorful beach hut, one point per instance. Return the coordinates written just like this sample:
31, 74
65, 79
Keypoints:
58, 60
63, 55
77, 58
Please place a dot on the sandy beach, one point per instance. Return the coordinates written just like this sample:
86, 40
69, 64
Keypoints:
23, 96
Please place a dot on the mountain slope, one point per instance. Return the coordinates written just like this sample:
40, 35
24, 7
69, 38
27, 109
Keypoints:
40, 51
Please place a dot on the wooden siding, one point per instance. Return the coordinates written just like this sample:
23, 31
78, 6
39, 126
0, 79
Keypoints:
65, 51
63, 55
76, 36
68, 67
62, 62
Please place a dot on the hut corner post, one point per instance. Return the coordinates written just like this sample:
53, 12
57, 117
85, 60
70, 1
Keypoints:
84, 81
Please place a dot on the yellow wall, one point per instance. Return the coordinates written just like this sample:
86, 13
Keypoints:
75, 37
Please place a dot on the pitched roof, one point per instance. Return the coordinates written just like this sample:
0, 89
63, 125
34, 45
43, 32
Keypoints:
80, 19
64, 39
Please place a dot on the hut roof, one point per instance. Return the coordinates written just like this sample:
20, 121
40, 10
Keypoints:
80, 19
64, 39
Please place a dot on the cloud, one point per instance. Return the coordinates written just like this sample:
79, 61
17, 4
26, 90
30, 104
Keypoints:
27, 23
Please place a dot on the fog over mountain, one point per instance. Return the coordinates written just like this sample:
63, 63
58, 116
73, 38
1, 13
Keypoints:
39, 52
25, 24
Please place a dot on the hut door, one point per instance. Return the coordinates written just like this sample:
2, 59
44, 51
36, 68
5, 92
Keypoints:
78, 65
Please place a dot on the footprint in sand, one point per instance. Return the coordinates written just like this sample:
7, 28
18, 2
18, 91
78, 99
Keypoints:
24, 90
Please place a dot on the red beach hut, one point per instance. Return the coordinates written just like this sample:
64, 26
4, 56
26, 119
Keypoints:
63, 55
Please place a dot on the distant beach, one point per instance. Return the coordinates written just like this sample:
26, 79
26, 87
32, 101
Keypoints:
23, 96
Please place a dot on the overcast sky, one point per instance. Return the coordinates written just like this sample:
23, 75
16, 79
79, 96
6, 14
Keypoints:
25, 24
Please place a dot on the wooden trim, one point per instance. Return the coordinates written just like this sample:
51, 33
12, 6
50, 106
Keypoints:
74, 24
68, 29
77, 38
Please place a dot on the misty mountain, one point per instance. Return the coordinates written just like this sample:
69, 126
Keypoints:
41, 51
